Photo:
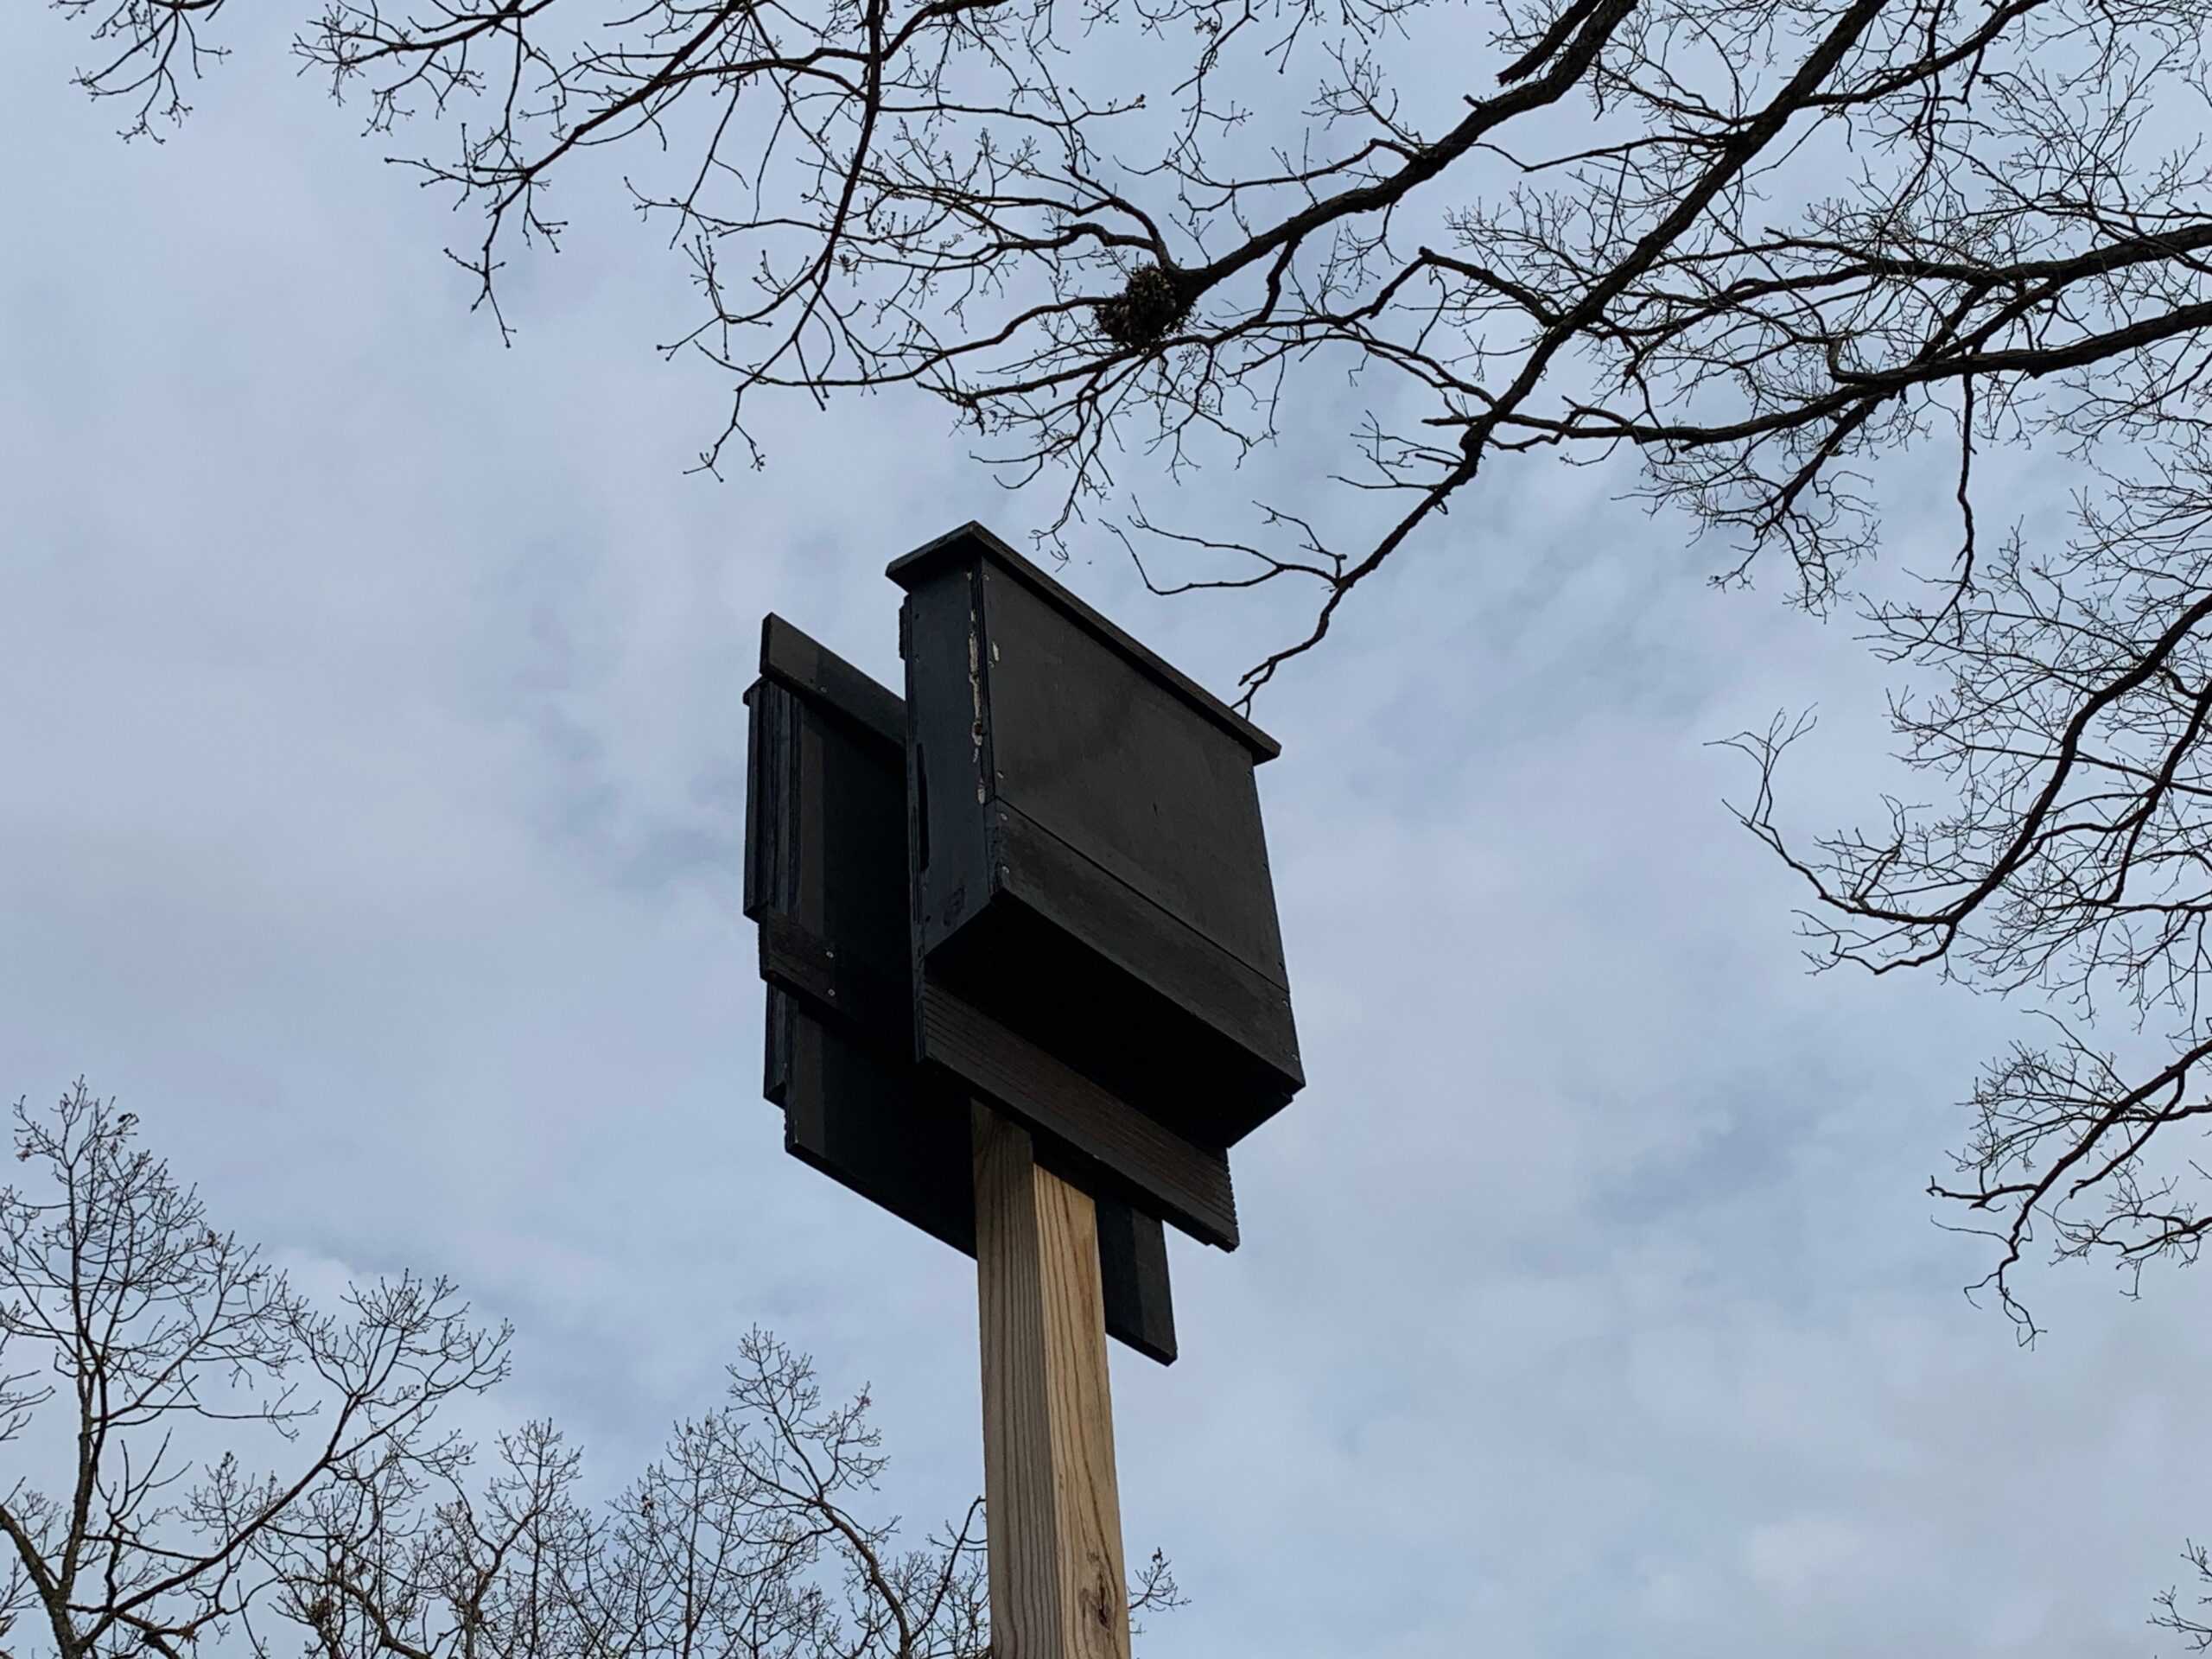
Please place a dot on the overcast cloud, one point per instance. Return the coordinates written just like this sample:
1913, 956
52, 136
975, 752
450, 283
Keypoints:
371, 775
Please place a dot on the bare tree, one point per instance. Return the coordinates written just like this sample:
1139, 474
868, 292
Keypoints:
2183, 1615
743, 1539
2073, 861
151, 1361
1750, 241
1786, 257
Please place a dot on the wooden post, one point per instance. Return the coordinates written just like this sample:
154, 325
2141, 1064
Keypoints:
1057, 1586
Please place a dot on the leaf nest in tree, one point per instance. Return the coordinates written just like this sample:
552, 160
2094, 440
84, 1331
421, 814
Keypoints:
1151, 304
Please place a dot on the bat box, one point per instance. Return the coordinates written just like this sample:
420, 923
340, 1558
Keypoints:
825, 880
1088, 873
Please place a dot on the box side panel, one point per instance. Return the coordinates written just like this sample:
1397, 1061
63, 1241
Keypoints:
1111, 763
864, 1120
756, 797
948, 774
860, 850
777, 1061
772, 793
1133, 1277
825, 854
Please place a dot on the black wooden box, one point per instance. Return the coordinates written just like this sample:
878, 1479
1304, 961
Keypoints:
1089, 871
825, 880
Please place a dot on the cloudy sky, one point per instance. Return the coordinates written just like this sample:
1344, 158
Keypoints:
370, 776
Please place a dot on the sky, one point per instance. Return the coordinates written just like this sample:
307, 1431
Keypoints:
371, 765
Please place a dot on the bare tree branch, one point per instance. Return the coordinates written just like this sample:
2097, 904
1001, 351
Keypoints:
178, 1359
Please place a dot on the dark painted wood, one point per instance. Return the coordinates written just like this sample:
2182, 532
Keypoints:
868, 1121
1109, 762
825, 853
1159, 1072
964, 544
1095, 1138
1133, 1274
947, 766
1090, 865
833, 684
824, 878
1163, 978
771, 796
897, 1136
875, 1002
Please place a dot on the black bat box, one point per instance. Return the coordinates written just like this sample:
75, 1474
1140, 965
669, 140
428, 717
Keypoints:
1086, 860
825, 880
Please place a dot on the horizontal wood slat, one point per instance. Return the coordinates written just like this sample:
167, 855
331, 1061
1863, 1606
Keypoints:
1188, 1184
801, 663
1153, 946
877, 1007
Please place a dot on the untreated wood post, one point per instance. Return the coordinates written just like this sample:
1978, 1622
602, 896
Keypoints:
1058, 1587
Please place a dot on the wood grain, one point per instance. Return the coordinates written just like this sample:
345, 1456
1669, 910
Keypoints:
1058, 1586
